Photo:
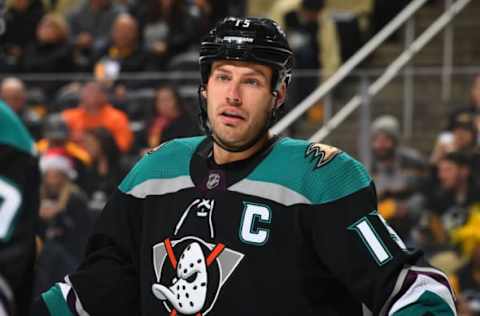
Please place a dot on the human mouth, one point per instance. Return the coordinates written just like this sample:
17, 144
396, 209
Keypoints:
231, 117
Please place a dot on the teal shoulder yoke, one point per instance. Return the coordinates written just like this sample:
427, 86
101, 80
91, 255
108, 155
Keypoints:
13, 132
320, 173
169, 160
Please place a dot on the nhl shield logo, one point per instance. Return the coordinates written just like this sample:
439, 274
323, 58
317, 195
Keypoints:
213, 180
190, 273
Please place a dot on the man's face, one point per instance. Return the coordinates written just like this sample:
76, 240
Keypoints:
53, 181
92, 97
383, 146
124, 32
239, 101
166, 103
463, 138
449, 174
47, 31
14, 95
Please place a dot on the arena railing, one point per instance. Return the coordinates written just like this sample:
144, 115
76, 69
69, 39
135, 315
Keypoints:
390, 72
346, 69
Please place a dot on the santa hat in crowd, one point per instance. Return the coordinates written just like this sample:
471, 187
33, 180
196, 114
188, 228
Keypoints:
56, 161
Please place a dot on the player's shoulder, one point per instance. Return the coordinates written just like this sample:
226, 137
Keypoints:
167, 164
13, 133
318, 172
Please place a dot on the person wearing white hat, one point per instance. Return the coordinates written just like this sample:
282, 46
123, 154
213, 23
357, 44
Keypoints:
63, 205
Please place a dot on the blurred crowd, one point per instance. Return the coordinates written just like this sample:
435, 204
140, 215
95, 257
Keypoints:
434, 202
89, 132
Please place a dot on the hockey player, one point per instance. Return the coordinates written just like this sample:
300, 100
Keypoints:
19, 190
241, 222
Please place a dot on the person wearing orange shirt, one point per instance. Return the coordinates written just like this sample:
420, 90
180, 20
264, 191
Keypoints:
95, 111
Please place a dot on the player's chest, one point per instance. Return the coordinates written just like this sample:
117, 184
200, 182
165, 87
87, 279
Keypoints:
200, 243
229, 217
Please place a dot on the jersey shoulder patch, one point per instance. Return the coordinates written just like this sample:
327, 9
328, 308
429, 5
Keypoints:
319, 173
164, 165
321, 154
13, 132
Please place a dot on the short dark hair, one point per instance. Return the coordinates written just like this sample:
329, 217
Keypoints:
176, 94
459, 158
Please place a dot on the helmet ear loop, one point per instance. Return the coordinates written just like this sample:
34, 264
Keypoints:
275, 104
203, 109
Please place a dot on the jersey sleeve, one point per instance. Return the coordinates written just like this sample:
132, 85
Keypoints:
106, 283
19, 199
361, 251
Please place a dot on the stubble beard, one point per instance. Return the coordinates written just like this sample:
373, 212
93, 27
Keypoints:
259, 127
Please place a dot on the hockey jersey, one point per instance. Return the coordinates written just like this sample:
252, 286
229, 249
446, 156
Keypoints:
292, 230
19, 185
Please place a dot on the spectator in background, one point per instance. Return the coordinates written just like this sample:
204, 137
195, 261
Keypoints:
313, 34
473, 107
106, 171
50, 51
466, 281
56, 140
91, 24
352, 19
170, 119
14, 93
399, 173
95, 111
313, 37
21, 20
461, 137
211, 11
384, 11
65, 221
63, 208
168, 28
123, 52
451, 200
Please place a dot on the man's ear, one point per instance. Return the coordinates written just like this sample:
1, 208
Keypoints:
203, 91
280, 95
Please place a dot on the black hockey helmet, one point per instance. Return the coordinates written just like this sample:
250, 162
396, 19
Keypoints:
257, 40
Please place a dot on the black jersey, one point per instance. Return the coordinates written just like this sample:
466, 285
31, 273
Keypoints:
292, 230
19, 185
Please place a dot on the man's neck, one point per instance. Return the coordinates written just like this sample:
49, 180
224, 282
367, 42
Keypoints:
94, 110
222, 156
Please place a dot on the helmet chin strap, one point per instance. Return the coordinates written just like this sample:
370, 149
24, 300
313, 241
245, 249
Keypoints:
248, 145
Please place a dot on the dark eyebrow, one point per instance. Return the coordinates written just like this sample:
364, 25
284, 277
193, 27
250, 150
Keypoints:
222, 70
256, 72
253, 72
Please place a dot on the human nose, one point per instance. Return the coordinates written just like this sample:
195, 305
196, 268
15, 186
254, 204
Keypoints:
233, 94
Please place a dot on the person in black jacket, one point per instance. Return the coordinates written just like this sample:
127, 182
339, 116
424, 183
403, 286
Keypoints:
50, 51
21, 20
167, 28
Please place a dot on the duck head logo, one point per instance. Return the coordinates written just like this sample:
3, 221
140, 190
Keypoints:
323, 154
190, 274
